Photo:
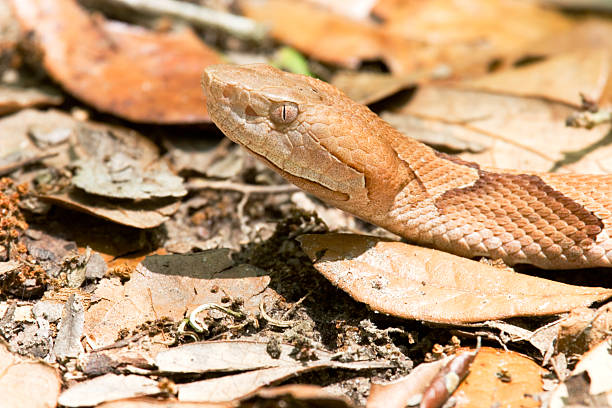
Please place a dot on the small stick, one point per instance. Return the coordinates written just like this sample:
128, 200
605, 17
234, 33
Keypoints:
238, 26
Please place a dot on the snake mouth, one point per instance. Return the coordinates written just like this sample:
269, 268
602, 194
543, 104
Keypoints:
305, 184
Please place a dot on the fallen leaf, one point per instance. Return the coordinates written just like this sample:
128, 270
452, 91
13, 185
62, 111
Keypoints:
370, 87
170, 286
19, 377
305, 27
590, 383
218, 356
142, 214
14, 98
302, 394
421, 36
563, 78
520, 133
140, 75
108, 387
145, 402
123, 179
237, 386
407, 390
582, 329
421, 283
500, 377
435, 133
70, 329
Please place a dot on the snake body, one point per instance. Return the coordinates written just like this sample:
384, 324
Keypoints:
340, 151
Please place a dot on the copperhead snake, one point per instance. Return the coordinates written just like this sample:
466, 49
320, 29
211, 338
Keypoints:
340, 151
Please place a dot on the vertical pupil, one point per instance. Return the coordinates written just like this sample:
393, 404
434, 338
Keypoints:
284, 113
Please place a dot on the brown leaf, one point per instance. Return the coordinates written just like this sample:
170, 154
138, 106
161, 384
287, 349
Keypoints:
14, 98
582, 329
421, 283
19, 377
306, 27
232, 387
170, 286
521, 133
132, 72
309, 395
108, 387
407, 390
500, 377
141, 214
146, 402
222, 356
563, 78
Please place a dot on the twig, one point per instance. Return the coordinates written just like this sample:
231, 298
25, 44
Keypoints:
272, 321
245, 189
9, 168
589, 120
202, 184
238, 26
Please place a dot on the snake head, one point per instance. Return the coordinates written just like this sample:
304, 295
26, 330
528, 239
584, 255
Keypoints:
305, 129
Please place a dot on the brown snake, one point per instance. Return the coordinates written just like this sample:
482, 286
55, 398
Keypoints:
340, 151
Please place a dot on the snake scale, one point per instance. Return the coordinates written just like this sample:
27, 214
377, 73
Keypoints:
340, 151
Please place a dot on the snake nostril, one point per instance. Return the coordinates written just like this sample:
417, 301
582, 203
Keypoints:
249, 111
227, 92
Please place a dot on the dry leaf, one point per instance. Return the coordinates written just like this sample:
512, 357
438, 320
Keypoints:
129, 71
521, 133
218, 356
435, 133
563, 78
306, 27
407, 390
14, 98
590, 384
421, 283
582, 329
146, 402
171, 286
238, 386
19, 377
500, 377
370, 87
142, 214
309, 395
108, 387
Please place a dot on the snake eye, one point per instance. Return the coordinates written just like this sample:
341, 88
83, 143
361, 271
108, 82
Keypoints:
283, 113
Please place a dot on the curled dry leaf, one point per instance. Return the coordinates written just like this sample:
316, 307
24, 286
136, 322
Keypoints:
141, 75
127, 180
407, 390
421, 283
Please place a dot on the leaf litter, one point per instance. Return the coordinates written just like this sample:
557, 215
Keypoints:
116, 271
